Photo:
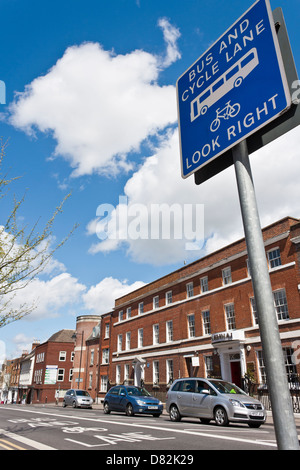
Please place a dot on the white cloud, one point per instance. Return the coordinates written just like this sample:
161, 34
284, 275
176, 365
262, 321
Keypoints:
49, 297
98, 105
275, 169
101, 297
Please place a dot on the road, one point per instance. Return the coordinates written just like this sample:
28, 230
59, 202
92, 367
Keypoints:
38, 427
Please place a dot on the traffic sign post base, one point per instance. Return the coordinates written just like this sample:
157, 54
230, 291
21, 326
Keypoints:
284, 422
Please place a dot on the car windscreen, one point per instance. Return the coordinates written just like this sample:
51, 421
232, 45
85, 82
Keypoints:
138, 392
82, 393
226, 387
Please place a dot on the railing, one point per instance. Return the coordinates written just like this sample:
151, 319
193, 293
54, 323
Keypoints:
261, 392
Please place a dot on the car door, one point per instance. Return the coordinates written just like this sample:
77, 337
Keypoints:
185, 397
114, 398
69, 397
202, 400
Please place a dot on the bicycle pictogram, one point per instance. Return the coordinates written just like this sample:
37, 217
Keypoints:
229, 111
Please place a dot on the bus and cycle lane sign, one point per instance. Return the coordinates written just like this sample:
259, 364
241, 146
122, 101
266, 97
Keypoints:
236, 87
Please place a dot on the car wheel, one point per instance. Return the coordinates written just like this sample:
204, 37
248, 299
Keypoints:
74, 404
174, 413
64, 404
221, 417
106, 408
129, 410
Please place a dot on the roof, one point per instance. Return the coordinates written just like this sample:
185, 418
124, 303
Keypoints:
62, 336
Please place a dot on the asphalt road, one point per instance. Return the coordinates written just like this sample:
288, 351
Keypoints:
144, 437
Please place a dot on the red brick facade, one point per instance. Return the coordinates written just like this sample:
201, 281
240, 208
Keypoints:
53, 368
208, 330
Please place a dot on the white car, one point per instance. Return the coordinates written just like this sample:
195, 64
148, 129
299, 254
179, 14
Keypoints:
78, 398
214, 399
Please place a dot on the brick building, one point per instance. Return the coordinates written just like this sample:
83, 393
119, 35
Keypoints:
201, 319
52, 368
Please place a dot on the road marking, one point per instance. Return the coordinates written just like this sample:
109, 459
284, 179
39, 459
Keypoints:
156, 428
10, 444
26, 441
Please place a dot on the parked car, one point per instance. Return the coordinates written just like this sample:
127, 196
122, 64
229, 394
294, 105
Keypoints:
131, 400
213, 399
78, 398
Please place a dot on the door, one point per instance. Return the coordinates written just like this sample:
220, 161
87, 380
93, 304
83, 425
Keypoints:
235, 368
185, 397
202, 400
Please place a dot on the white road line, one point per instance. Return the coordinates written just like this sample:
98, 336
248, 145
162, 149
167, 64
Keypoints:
156, 428
25, 440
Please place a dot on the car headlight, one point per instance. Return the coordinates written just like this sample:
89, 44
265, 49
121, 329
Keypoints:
141, 402
236, 403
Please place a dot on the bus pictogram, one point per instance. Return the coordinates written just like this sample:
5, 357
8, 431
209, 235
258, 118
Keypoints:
232, 78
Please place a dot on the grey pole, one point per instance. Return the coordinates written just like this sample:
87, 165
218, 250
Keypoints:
284, 422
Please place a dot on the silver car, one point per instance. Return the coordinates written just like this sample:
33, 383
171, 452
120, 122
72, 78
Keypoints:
215, 399
78, 398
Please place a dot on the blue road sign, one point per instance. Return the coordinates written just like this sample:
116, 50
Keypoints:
236, 87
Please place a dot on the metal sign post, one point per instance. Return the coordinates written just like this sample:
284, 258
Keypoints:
284, 422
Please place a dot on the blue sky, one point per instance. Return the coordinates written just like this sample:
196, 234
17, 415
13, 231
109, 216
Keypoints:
91, 108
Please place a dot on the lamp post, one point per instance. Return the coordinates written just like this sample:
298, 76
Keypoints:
75, 337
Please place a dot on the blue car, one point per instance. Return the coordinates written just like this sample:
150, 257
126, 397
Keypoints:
131, 400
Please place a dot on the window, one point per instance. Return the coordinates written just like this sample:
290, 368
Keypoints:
60, 375
290, 366
230, 316
121, 316
118, 374
70, 375
248, 268
168, 297
128, 313
106, 330
156, 372
254, 310
281, 304
226, 276
156, 334
189, 290
140, 337
128, 337
170, 375
191, 325
262, 370
209, 365
72, 356
169, 331
120, 340
40, 357
141, 308
155, 302
92, 357
274, 258
206, 322
126, 372
62, 355
204, 284
103, 383
90, 379
105, 356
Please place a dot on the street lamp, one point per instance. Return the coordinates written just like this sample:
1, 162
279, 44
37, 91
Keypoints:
75, 337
